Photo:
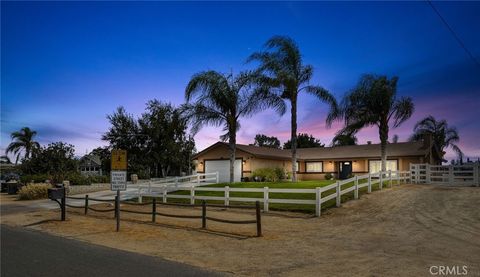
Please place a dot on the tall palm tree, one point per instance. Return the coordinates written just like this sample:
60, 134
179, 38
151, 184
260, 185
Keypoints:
220, 100
374, 102
282, 70
443, 136
23, 140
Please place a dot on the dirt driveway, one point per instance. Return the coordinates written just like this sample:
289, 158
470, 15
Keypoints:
400, 232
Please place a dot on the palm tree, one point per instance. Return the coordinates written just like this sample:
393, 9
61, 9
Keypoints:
5, 160
220, 100
23, 140
374, 102
443, 136
343, 139
282, 70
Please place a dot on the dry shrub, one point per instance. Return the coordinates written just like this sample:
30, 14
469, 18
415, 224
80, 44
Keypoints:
34, 191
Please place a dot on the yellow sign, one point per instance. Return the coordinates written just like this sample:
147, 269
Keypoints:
119, 160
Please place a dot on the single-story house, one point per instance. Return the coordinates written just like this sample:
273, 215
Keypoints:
90, 165
314, 163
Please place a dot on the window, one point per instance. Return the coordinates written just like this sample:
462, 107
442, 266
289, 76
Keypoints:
314, 167
376, 166
297, 167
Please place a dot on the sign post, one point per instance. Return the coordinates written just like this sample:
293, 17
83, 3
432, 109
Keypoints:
118, 178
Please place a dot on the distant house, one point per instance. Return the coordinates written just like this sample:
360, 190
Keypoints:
90, 165
314, 163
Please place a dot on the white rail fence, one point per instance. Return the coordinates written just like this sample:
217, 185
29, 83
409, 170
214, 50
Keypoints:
322, 194
454, 175
176, 183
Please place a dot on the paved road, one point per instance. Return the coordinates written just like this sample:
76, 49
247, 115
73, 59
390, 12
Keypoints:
31, 253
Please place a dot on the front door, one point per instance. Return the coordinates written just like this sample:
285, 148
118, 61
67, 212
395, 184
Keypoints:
345, 170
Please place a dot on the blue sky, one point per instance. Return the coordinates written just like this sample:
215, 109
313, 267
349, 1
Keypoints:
66, 65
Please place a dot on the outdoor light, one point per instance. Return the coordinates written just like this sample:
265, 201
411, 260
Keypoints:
244, 162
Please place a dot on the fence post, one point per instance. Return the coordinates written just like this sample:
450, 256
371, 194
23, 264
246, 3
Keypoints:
216, 176
450, 174
140, 198
428, 177
318, 201
259, 219
339, 199
149, 186
154, 209
192, 195
198, 179
164, 200
176, 181
356, 187
380, 185
86, 204
227, 196
476, 173
265, 199
390, 178
369, 189
204, 214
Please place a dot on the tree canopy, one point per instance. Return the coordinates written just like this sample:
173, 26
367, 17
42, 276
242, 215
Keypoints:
304, 140
266, 141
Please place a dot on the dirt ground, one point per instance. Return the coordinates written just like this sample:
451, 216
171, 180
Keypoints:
395, 232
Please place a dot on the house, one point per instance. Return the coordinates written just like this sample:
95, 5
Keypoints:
90, 165
314, 163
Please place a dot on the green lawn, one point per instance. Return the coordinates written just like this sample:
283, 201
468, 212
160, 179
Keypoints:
275, 206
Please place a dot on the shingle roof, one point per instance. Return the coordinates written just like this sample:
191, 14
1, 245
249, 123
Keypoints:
338, 152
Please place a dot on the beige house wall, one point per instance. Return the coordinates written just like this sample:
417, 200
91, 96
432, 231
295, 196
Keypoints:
251, 163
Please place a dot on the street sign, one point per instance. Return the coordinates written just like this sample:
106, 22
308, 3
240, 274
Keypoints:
119, 159
118, 180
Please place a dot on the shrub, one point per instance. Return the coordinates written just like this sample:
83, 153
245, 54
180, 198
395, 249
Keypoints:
77, 179
36, 178
268, 174
34, 191
328, 176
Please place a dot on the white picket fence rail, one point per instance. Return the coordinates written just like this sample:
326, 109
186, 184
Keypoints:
454, 175
176, 183
336, 188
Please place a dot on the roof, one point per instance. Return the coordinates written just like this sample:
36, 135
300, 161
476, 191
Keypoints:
338, 152
92, 158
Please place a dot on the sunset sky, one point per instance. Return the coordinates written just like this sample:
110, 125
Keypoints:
65, 66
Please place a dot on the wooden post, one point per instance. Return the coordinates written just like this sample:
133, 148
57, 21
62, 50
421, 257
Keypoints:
86, 204
198, 179
192, 195
428, 176
259, 219
63, 203
265, 199
217, 178
476, 173
154, 209
140, 198
450, 175
164, 198
369, 189
318, 201
339, 197
204, 214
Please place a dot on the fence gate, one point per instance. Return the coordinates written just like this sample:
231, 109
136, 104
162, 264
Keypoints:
459, 175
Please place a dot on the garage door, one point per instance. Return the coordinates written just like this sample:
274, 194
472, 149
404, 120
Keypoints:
223, 169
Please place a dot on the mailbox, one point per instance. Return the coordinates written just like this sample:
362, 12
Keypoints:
56, 193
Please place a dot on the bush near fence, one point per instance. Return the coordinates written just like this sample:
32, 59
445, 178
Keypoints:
34, 191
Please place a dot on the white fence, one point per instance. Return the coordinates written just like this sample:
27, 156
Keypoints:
336, 190
454, 175
176, 183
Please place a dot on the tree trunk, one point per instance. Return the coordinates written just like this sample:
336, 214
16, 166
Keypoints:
232, 144
383, 131
293, 139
